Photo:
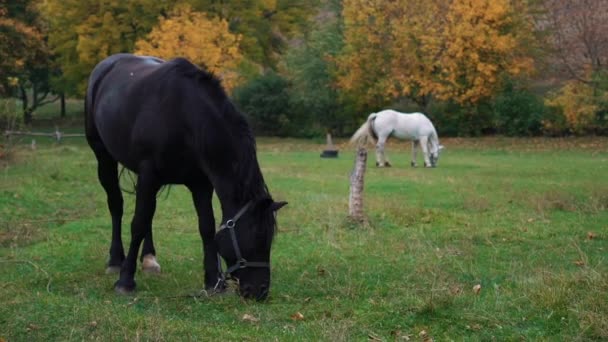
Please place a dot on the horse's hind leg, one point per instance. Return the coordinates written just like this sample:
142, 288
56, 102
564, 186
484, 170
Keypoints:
381, 159
148, 256
107, 172
141, 226
415, 144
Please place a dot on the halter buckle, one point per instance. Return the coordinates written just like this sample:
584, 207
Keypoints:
242, 263
230, 224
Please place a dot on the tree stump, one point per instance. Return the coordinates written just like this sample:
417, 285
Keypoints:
355, 200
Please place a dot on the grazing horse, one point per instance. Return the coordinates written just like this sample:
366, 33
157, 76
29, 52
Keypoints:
415, 126
172, 123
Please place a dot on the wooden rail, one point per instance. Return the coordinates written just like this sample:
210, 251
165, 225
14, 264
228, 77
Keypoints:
57, 134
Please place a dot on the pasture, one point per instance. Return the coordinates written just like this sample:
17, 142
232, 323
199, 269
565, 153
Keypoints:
525, 219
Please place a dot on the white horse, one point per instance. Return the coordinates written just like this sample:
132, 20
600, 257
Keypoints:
415, 126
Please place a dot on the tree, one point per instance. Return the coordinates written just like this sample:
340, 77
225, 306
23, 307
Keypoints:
310, 68
579, 54
577, 32
265, 26
83, 32
25, 61
204, 41
456, 50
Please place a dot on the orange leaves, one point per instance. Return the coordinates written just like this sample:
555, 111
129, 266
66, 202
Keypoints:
455, 50
195, 36
297, 316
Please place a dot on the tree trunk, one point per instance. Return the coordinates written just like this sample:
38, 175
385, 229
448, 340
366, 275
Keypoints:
355, 200
62, 105
27, 112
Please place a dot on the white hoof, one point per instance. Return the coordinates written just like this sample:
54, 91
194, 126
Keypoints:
149, 264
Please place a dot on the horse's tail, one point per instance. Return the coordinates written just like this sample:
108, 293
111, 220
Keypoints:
365, 133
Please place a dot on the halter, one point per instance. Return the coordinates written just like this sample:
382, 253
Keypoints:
241, 262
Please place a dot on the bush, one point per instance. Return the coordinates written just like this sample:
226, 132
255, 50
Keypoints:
265, 100
518, 112
452, 119
10, 119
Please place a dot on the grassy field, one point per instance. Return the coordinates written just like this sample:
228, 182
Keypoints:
525, 219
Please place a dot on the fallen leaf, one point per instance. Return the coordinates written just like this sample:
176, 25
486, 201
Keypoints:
477, 288
455, 290
400, 336
373, 337
591, 235
93, 324
297, 316
250, 318
32, 326
474, 327
425, 336
579, 263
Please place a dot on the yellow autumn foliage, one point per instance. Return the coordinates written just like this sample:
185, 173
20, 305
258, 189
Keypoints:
453, 50
577, 103
202, 40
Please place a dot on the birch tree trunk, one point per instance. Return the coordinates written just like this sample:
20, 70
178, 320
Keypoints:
355, 200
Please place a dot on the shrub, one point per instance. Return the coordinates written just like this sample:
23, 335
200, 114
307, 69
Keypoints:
575, 101
518, 112
265, 100
452, 119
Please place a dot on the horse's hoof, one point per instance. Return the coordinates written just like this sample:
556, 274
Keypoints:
388, 164
124, 289
413, 164
149, 264
113, 269
378, 164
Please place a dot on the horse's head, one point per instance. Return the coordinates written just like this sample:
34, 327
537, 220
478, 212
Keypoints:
245, 241
435, 156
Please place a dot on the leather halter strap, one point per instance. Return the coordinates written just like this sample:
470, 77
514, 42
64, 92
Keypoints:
241, 262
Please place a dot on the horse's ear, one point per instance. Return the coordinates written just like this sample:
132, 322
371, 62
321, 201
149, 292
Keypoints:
277, 205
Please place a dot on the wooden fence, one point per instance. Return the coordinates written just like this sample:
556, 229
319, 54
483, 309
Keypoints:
57, 134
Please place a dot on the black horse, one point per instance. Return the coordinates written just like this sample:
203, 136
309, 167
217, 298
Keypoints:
172, 123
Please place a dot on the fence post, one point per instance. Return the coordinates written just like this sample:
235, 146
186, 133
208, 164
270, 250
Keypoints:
57, 134
355, 200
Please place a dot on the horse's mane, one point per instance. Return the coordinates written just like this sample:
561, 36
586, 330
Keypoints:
250, 182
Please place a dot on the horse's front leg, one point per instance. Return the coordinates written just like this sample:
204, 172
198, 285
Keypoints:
415, 144
425, 151
201, 196
145, 205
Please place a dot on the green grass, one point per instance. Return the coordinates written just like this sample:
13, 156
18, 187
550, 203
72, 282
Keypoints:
513, 215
